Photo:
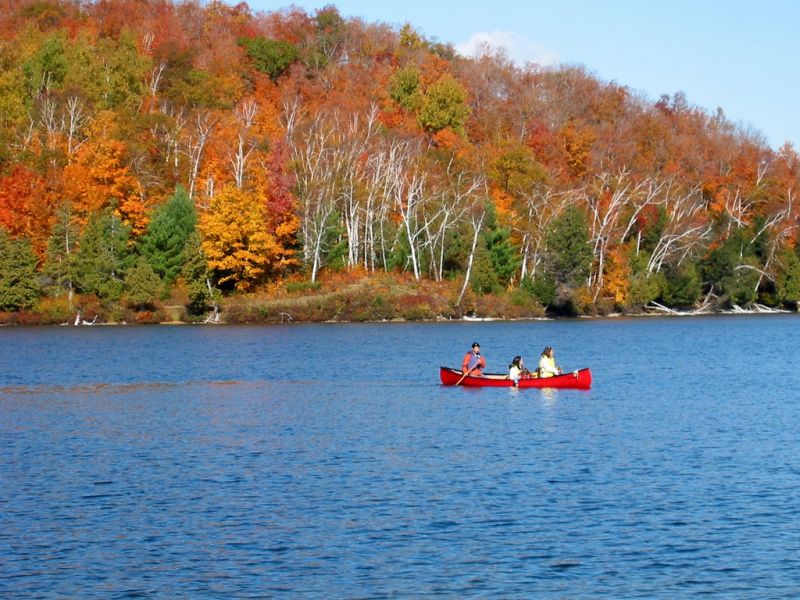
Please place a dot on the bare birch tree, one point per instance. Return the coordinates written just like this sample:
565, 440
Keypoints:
686, 229
614, 205
245, 118
195, 144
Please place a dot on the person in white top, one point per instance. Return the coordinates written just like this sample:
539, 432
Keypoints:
515, 369
547, 364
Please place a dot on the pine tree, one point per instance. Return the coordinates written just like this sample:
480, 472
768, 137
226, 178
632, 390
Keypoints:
733, 268
59, 262
789, 282
682, 285
19, 287
197, 276
163, 242
103, 256
569, 256
503, 255
142, 285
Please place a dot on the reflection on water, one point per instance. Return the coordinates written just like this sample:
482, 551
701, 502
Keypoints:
549, 396
328, 462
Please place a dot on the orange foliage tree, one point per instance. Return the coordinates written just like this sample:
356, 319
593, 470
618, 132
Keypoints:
26, 207
100, 177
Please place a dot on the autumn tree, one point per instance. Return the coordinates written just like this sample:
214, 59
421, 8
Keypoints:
48, 67
25, 206
13, 110
444, 105
355, 145
239, 247
122, 73
406, 88
100, 178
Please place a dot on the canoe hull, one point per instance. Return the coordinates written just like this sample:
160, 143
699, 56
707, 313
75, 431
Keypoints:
579, 380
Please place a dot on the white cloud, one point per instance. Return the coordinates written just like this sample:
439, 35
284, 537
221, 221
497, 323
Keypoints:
518, 48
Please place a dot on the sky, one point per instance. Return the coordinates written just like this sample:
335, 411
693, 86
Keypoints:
741, 56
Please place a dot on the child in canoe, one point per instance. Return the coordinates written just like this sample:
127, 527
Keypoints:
517, 370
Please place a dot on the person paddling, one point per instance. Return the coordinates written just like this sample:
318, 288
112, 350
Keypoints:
547, 364
473, 362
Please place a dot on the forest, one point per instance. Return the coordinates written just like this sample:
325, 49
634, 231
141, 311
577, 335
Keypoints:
180, 160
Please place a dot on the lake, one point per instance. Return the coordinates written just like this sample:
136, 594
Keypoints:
326, 461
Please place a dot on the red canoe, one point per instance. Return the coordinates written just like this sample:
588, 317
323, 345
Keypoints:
581, 380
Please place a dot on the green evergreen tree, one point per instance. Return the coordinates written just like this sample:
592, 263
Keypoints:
19, 288
170, 226
740, 287
483, 278
682, 286
569, 256
732, 268
197, 276
653, 229
503, 255
103, 256
789, 279
543, 288
456, 252
142, 285
335, 244
643, 286
59, 261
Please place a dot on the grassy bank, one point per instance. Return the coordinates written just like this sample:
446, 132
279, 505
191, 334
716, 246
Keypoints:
374, 298
336, 297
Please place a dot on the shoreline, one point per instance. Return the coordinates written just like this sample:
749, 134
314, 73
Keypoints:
385, 299
465, 319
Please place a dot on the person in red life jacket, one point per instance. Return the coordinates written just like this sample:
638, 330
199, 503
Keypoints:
473, 362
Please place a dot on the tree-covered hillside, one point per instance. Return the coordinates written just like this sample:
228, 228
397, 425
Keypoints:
155, 153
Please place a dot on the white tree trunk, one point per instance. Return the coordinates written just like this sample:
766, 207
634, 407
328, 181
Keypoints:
476, 227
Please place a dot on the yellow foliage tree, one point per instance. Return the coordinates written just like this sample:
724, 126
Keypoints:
616, 276
239, 243
578, 142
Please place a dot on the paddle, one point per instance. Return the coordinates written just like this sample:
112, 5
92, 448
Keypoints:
478, 366
464, 375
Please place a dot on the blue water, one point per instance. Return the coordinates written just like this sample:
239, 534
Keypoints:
326, 461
